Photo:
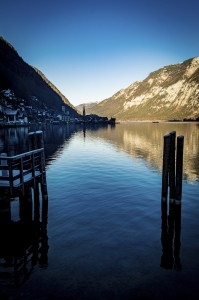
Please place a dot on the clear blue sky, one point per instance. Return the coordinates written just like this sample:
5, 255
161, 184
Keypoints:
90, 49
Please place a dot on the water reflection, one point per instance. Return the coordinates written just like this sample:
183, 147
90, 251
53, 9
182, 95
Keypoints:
145, 141
98, 226
171, 236
140, 140
14, 141
23, 238
96, 127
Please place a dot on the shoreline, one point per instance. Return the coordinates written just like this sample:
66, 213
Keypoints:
157, 121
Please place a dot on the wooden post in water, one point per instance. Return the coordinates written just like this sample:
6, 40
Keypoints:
165, 170
25, 200
40, 139
172, 167
178, 198
32, 141
5, 209
179, 169
36, 202
172, 186
36, 140
165, 174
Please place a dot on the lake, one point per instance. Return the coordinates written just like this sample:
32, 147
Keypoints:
103, 237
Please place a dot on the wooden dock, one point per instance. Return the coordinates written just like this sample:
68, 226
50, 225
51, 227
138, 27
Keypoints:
24, 243
16, 171
24, 169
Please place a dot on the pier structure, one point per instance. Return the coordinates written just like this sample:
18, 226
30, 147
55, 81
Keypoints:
23, 170
23, 226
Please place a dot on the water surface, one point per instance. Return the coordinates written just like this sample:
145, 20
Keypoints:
104, 214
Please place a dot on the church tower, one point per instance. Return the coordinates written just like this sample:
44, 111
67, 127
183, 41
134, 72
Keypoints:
84, 111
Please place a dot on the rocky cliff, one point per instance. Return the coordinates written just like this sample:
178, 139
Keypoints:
171, 92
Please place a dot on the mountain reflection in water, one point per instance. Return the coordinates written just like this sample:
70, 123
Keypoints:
140, 140
145, 141
105, 233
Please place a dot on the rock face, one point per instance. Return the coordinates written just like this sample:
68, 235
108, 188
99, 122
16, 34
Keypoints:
28, 82
171, 92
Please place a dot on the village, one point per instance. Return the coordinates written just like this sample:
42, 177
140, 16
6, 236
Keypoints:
15, 111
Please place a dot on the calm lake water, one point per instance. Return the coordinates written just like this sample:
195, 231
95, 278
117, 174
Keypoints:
104, 215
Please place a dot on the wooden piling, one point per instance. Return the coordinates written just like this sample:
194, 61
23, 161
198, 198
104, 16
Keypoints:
5, 209
178, 198
32, 141
40, 139
172, 169
179, 169
25, 200
172, 166
35, 140
44, 236
171, 188
36, 202
165, 169
44, 193
165, 175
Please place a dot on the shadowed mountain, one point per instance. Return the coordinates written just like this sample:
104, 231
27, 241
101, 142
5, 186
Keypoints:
27, 82
88, 106
171, 92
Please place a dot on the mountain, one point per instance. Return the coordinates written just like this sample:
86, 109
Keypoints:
171, 92
27, 82
88, 106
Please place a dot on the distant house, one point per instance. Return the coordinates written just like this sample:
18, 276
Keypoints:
16, 117
66, 119
10, 115
22, 118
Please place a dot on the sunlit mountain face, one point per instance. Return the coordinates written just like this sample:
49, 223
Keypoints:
171, 92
